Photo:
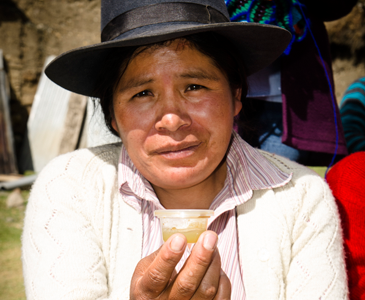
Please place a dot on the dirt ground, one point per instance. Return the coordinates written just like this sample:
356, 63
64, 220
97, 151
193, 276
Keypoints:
31, 30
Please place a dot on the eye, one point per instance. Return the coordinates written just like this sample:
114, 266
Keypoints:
143, 94
194, 87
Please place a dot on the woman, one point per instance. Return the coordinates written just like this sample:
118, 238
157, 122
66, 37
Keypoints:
170, 85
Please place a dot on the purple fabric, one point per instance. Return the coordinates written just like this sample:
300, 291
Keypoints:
308, 118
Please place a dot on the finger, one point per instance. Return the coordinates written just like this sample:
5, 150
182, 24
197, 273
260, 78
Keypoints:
192, 273
154, 277
224, 289
209, 285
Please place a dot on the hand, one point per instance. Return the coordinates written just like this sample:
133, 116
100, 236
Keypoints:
200, 278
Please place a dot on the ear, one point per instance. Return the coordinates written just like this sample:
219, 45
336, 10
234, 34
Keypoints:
114, 123
237, 104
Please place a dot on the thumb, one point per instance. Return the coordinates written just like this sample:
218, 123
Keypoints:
153, 272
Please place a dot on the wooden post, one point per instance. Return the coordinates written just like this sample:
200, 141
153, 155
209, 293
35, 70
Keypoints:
73, 123
7, 153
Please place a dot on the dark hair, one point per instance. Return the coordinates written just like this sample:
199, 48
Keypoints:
220, 50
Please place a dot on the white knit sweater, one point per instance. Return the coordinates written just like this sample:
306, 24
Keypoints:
82, 241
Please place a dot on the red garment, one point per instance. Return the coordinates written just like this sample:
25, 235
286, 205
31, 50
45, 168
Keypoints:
347, 181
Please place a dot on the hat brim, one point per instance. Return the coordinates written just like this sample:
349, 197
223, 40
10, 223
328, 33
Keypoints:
77, 70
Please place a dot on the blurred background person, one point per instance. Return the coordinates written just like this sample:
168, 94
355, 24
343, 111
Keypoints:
352, 109
293, 99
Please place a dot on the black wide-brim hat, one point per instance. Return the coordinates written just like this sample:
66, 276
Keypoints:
126, 23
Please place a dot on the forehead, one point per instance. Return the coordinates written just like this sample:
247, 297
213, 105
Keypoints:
177, 60
177, 54
176, 45
180, 50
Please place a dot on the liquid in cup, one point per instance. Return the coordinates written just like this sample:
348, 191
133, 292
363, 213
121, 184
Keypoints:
189, 222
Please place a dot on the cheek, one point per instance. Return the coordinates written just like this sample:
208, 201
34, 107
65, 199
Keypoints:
133, 124
216, 113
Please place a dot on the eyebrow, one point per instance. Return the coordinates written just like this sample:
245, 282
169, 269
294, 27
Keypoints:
134, 83
199, 74
194, 74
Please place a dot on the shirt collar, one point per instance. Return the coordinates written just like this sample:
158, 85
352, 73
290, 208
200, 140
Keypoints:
250, 168
247, 170
133, 185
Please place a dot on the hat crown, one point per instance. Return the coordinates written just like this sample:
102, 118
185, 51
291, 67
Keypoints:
134, 23
111, 9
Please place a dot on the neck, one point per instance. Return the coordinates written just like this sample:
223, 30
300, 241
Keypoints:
199, 196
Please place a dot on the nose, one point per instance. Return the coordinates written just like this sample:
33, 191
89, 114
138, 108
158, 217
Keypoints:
171, 122
173, 115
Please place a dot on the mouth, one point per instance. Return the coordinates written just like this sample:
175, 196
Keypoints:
178, 151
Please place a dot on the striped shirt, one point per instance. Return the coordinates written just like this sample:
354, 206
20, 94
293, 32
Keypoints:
352, 110
247, 170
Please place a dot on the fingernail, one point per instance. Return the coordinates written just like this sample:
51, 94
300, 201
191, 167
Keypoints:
177, 243
210, 241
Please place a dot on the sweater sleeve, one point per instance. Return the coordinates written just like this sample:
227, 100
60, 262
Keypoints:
62, 248
317, 268
291, 239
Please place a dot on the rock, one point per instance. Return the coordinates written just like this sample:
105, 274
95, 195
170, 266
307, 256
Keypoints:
14, 199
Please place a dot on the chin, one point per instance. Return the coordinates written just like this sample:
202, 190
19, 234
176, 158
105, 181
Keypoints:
172, 185
179, 179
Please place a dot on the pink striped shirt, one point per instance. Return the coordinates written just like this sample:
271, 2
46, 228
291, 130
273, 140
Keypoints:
247, 170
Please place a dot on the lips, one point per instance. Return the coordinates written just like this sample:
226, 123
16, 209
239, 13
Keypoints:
178, 148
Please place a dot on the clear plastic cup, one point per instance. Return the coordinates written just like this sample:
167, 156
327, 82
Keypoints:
189, 222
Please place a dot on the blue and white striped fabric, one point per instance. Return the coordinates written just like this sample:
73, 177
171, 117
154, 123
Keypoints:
352, 110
